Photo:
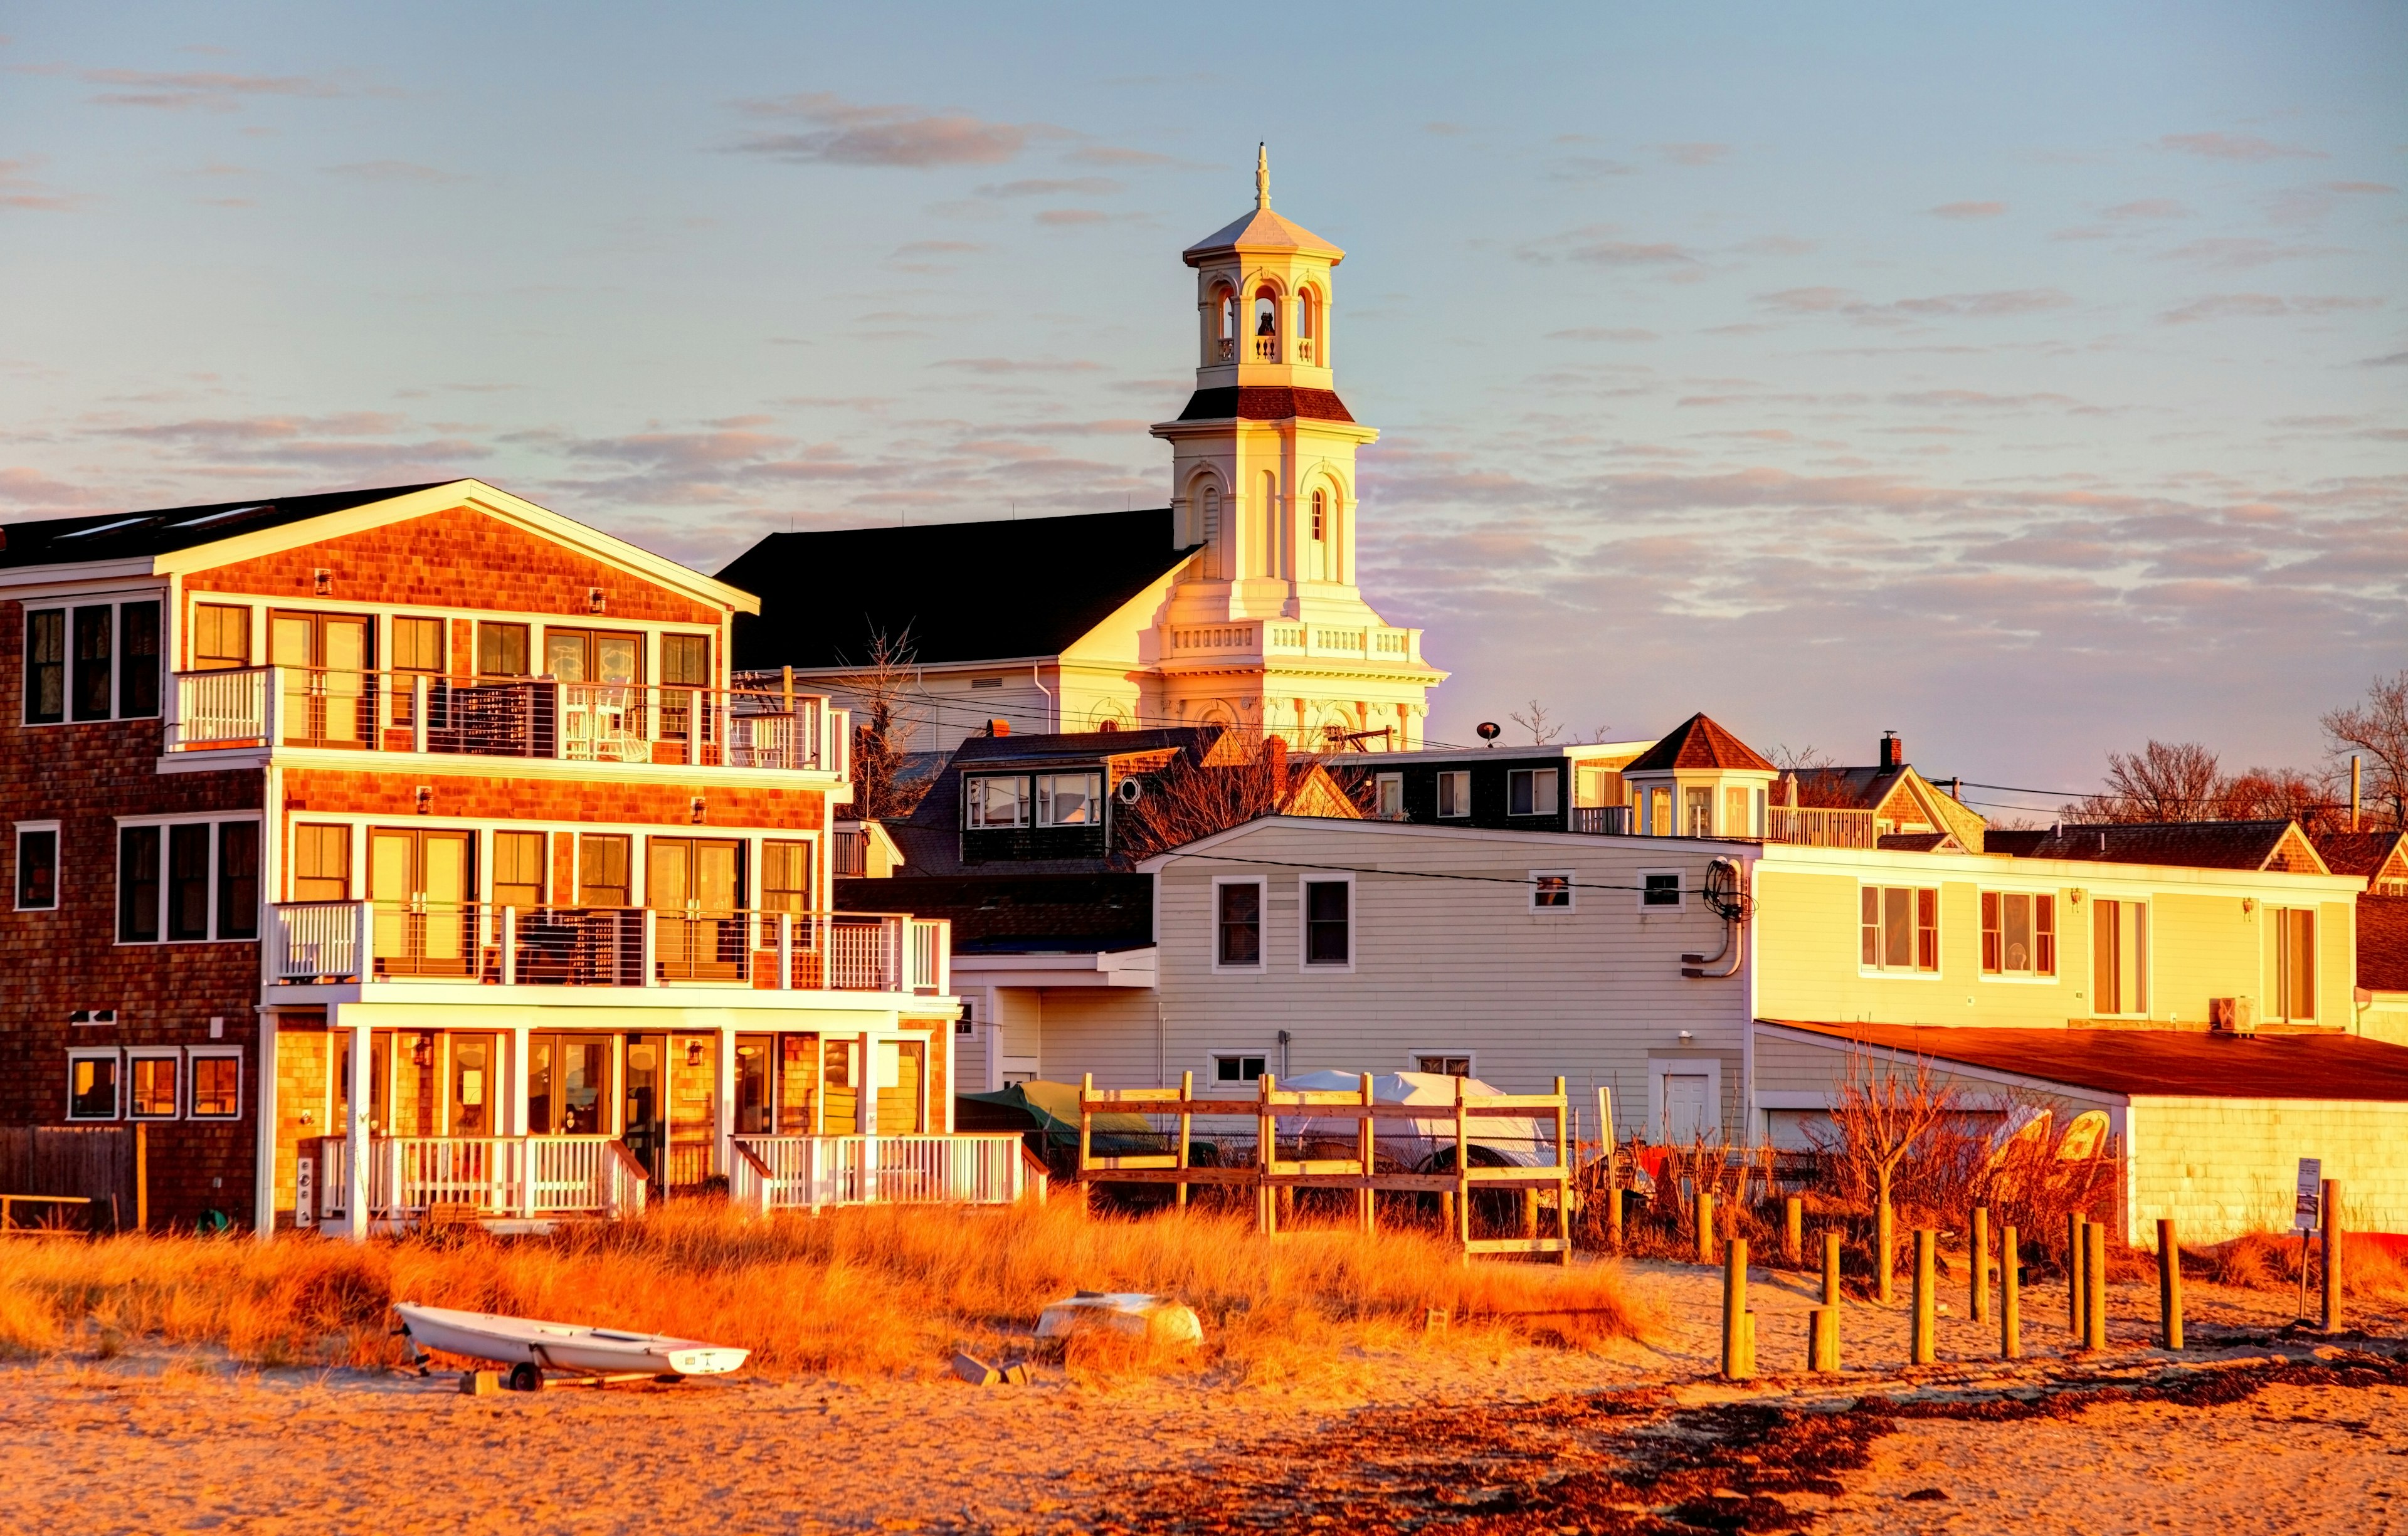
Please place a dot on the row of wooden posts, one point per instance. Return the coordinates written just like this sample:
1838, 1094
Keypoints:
1275, 1180
2086, 1286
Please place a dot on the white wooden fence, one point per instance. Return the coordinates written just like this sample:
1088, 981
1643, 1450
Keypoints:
806, 1173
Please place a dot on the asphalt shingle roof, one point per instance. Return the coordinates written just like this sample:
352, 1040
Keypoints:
1699, 743
133, 535
2185, 845
2383, 943
964, 591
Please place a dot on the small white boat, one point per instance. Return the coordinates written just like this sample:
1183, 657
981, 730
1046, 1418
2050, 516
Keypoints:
562, 1346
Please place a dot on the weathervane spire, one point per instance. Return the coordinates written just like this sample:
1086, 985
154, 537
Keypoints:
1263, 175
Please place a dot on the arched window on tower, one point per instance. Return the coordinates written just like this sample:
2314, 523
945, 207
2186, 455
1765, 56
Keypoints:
1209, 531
1307, 325
1267, 346
1318, 549
1223, 347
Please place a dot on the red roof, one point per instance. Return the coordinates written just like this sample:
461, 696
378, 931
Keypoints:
1264, 403
1699, 742
2167, 1063
2383, 943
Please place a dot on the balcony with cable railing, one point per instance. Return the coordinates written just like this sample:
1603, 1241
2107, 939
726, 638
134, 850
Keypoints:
366, 946
277, 708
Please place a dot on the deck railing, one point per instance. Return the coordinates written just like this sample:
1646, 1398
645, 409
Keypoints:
1601, 820
1820, 826
806, 1173
499, 1175
509, 945
506, 717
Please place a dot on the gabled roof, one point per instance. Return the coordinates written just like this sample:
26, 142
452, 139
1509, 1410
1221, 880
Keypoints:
2171, 1063
1699, 743
1858, 788
1932, 841
965, 591
2188, 844
1260, 229
2383, 943
2362, 853
134, 535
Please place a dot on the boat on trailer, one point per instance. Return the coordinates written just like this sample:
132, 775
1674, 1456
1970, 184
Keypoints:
530, 1347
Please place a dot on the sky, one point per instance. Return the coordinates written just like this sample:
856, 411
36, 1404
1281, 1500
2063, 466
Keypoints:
2028, 380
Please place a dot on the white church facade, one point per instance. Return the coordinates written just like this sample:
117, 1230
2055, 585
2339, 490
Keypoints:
1235, 605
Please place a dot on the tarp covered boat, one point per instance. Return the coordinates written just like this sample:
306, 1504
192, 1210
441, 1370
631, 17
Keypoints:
562, 1346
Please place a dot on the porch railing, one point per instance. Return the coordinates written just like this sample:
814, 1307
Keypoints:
508, 718
1820, 826
805, 1172
509, 945
1601, 820
500, 1176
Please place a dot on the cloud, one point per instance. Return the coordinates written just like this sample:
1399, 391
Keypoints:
1777, 245
1595, 333
19, 190
2244, 147
996, 365
845, 133
392, 171
1072, 218
1595, 245
2148, 210
1108, 155
1840, 302
2394, 360
2260, 306
1082, 186
2241, 252
1694, 154
365, 442
1578, 169
1968, 210
2363, 189
206, 91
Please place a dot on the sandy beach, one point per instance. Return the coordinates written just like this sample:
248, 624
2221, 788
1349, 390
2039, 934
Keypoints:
1632, 1436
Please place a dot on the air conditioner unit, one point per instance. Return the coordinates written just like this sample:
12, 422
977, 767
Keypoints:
2232, 1015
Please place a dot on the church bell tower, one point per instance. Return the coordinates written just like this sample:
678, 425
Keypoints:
1266, 628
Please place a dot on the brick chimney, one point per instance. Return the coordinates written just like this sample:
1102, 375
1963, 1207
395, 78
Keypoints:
1893, 751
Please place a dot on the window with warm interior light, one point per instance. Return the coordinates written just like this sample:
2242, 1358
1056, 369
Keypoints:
2119, 958
2018, 933
1899, 929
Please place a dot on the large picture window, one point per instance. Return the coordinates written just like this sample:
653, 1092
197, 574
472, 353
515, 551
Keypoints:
995, 801
1900, 928
2018, 934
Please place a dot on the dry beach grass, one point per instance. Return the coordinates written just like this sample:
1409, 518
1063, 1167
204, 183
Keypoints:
859, 1293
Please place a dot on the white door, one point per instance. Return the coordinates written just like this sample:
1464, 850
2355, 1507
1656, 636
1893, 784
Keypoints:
1689, 1110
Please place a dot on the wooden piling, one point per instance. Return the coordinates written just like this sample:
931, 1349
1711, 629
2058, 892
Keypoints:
2074, 1242
2094, 1285
1832, 1268
2331, 1214
1977, 1305
1793, 1230
1735, 1351
1885, 1246
1925, 1345
1705, 1226
1186, 1094
1086, 1138
1366, 1214
2169, 1305
1822, 1339
141, 1177
2010, 1297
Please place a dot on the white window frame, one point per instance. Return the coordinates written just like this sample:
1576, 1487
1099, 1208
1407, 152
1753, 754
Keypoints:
1303, 918
1680, 888
1552, 777
2016, 979
92, 1053
115, 603
1471, 1057
1261, 925
1039, 800
125, 1086
193, 1056
58, 867
1659, 1068
213, 820
1460, 776
1388, 795
974, 806
1570, 891
1213, 1060
1938, 935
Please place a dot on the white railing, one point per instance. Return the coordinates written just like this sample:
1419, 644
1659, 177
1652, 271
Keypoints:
497, 1175
507, 717
806, 1173
1820, 826
1601, 820
315, 942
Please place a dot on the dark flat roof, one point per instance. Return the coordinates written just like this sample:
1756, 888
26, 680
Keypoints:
132, 535
965, 591
2165, 1064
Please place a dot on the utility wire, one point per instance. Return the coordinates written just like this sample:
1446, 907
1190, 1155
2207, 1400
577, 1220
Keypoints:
1414, 874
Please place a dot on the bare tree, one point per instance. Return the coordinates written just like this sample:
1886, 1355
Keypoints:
2164, 781
883, 718
1539, 722
1240, 778
2376, 729
2284, 794
1882, 1115
1804, 760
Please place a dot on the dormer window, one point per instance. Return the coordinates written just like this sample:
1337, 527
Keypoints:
1070, 800
996, 802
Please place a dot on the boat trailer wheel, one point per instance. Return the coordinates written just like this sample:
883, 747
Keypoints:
527, 1376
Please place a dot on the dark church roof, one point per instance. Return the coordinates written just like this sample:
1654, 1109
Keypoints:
137, 535
965, 591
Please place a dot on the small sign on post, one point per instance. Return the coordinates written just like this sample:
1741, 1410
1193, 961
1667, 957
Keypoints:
2306, 1212
304, 1192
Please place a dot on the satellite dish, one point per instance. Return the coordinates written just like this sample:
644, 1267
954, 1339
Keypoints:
1489, 730
1131, 791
